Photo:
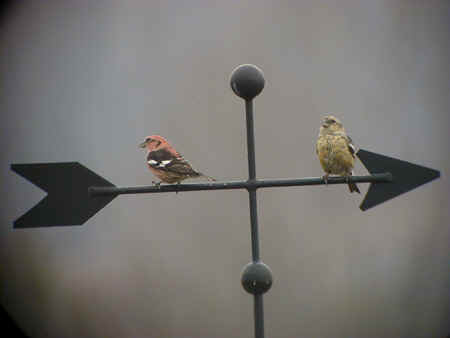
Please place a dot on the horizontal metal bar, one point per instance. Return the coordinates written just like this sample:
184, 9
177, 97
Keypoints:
102, 191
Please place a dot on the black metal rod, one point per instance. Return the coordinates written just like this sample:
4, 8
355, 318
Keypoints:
254, 224
104, 191
259, 313
251, 178
250, 140
258, 298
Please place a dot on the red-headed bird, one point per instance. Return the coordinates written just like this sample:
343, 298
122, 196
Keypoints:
336, 150
166, 163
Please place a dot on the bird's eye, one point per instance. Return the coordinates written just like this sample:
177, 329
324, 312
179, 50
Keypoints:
332, 121
148, 139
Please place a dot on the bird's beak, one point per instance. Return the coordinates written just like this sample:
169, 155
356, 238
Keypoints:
143, 144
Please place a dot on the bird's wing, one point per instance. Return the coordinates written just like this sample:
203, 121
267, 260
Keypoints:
351, 146
163, 159
159, 159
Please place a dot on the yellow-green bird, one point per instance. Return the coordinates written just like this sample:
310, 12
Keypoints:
336, 150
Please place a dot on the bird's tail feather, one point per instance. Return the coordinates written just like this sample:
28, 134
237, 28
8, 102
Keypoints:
353, 187
209, 178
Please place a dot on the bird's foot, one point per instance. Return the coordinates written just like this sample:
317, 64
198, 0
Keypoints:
176, 191
325, 178
157, 184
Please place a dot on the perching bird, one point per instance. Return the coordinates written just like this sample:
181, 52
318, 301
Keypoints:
166, 163
336, 150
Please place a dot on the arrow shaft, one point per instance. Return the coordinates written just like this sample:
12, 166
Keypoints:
254, 184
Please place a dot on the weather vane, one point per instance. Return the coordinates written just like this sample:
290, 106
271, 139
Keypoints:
75, 193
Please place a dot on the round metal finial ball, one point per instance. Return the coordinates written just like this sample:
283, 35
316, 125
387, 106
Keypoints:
256, 278
247, 81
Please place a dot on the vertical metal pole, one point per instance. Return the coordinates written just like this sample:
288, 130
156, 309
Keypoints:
250, 139
258, 299
259, 316
252, 177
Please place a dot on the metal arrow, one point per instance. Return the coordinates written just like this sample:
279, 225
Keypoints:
67, 201
406, 176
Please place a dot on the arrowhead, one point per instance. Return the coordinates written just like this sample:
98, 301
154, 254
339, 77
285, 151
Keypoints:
67, 202
406, 176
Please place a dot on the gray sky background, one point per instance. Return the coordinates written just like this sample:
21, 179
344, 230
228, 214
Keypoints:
87, 80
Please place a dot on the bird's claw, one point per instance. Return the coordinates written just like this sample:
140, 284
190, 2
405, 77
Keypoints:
325, 179
156, 184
